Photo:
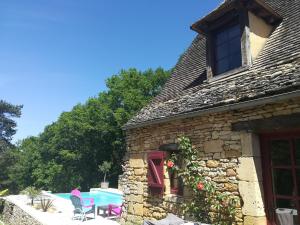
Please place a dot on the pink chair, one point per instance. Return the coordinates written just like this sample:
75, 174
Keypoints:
77, 193
79, 205
114, 210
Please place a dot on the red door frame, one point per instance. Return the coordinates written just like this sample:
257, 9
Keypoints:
266, 169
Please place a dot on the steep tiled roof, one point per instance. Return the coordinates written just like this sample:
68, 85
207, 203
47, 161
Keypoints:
276, 70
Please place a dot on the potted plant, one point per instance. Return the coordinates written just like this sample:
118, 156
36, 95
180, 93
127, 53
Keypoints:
104, 168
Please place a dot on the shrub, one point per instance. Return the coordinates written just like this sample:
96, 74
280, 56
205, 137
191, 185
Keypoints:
46, 204
31, 192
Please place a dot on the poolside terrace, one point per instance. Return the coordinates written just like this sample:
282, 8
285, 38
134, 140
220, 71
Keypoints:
61, 214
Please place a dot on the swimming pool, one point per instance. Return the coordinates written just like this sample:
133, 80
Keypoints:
100, 197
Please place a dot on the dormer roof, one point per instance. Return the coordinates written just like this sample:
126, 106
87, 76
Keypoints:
257, 7
273, 74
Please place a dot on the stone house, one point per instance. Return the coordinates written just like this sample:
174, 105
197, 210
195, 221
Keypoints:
235, 93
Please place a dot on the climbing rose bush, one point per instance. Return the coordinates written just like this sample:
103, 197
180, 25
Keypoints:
170, 164
208, 205
200, 186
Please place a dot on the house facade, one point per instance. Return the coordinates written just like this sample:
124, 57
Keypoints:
235, 93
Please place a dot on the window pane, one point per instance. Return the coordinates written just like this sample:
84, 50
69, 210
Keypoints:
222, 51
234, 31
222, 65
235, 45
235, 60
227, 49
297, 153
221, 37
280, 153
283, 182
285, 203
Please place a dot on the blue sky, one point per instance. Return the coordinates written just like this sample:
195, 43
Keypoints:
57, 53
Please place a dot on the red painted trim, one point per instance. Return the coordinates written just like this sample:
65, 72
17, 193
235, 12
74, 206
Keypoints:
270, 196
156, 171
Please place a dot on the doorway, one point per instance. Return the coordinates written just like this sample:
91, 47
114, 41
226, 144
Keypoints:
281, 175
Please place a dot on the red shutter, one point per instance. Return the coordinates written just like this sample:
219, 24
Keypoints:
156, 171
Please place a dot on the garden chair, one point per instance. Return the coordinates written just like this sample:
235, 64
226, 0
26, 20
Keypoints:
81, 209
114, 210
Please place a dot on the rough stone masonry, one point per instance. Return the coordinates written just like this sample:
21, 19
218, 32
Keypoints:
231, 159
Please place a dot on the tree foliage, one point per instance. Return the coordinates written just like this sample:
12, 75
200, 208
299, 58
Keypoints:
104, 168
67, 153
7, 124
8, 113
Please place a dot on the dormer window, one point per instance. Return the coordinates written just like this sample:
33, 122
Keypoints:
236, 33
227, 48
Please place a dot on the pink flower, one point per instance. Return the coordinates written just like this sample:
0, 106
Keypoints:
200, 186
170, 164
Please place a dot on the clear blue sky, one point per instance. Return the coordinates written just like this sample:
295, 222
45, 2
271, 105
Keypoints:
57, 53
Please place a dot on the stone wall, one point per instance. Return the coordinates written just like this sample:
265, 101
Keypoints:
14, 215
231, 159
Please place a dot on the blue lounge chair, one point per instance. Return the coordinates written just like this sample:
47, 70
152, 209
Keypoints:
81, 210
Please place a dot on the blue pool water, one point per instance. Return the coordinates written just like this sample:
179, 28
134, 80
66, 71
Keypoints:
100, 197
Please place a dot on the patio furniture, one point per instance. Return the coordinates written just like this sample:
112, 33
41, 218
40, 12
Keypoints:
81, 209
115, 210
104, 209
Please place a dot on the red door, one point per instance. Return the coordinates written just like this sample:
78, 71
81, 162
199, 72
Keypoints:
281, 173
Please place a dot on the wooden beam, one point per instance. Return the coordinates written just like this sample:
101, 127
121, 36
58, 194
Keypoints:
269, 124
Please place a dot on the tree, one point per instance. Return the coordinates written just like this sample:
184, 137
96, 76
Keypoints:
7, 124
7, 129
104, 168
67, 153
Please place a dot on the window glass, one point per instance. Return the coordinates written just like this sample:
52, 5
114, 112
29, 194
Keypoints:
235, 46
280, 153
222, 51
285, 203
227, 49
222, 66
221, 37
283, 182
235, 60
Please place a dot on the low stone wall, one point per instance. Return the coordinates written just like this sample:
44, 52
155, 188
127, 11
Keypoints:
14, 215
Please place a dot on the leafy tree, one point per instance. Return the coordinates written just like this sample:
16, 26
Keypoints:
7, 129
7, 124
67, 153
27, 158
